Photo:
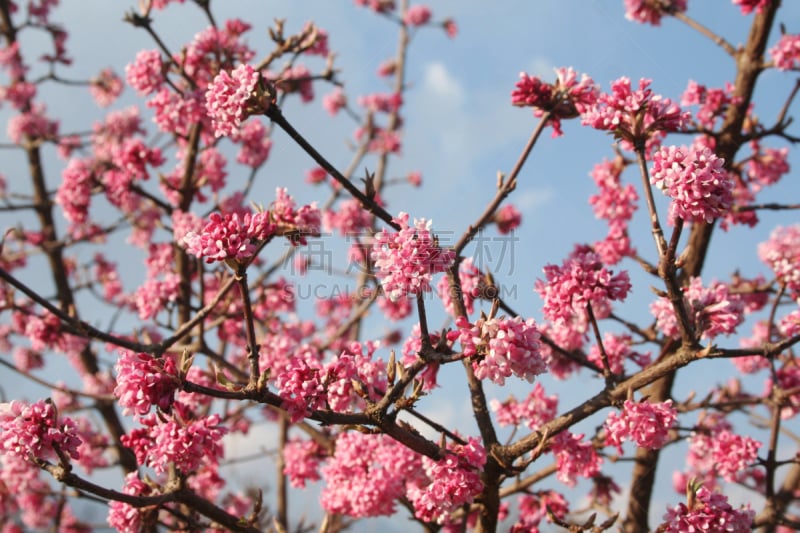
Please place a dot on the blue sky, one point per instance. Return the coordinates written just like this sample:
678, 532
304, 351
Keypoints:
460, 127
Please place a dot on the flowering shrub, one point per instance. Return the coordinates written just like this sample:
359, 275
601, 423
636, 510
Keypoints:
185, 346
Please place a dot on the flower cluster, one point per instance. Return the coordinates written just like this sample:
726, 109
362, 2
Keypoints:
733, 454
713, 310
405, 261
566, 98
472, 284
635, 115
229, 98
649, 12
646, 423
786, 52
144, 381
454, 481
709, 511
782, 254
508, 218
748, 6
500, 347
574, 457
618, 350
695, 179
581, 280
541, 505
229, 236
534, 411
36, 431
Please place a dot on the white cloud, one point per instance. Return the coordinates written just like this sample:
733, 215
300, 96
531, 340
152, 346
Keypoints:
533, 197
441, 84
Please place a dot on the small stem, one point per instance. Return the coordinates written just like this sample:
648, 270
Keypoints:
658, 233
607, 374
250, 330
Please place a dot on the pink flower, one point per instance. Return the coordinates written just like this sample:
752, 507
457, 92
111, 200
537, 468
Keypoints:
618, 351
229, 99
748, 6
229, 236
406, 260
635, 114
786, 52
707, 512
33, 123
537, 506
105, 88
450, 28
646, 423
144, 381
334, 101
647, 11
35, 431
417, 15
472, 284
146, 73
712, 310
508, 218
580, 280
302, 458
454, 481
366, 475
500, 347
256, 144
534, 411
574, 457
122, 516
566, 98
696, 181
378, 6
782, 254
187, 445
733, 454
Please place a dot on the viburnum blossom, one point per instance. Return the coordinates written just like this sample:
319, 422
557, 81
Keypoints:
748, 6
229, 236
302, 459
635, 115
788, 379
185, 444
406, 260
417, 15
707, 511
574, 457
105, 88
146, 73
508, 218
581, 280
713, 103
733, 454
35, 431
124, 517
786, 52
334, 101
651, 11
144, 381
454, 481
500, 347
533, 411
533, 508
713, 310
367, 474
782, 254
695, 179
230, 98
646, 423
618, 351
473, 287
566, 98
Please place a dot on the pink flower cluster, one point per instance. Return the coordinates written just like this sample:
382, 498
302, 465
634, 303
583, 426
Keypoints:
713, 310
534, 411
748, 6
500, 347
574, 457
35, 430
733, 454
508, 218
786, 52
144, 381
566, 98
417, 15
580, 280
645, 423
713, 102
472, 284
533, 508
710, 511
228, 99
366, 475
229, 236
695, 179
186, 444
302, 458
635, 115
649, 12
146, 73
454, 481
122, 516
618, 351
781, 252
406, 260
